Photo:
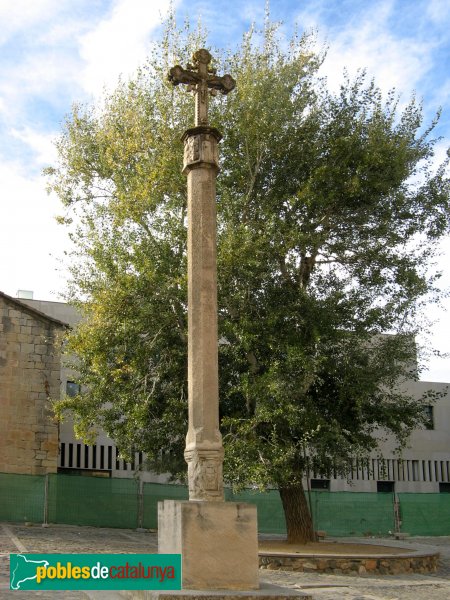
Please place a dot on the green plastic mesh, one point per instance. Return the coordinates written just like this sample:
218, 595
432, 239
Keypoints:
337, 513
353, 513
105, 502
22, 497
425, 514
101, 502
157, 492
270, 510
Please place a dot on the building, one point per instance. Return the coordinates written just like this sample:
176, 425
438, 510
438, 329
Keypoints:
423, 467
30, 371
75, 457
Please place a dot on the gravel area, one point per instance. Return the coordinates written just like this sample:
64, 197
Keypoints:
16, 538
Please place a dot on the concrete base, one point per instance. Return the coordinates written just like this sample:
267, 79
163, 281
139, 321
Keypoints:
218, 542
267, 592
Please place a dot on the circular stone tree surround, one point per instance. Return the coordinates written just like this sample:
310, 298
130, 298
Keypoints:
345, 558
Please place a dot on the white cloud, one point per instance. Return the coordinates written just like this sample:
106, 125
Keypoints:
311, 15
40, 74
441, 154
40, 66
47, 71
41, 78
441, 96
29, 235
438, 11
119, 43
231, 22
393, 60
17, 15
42, 144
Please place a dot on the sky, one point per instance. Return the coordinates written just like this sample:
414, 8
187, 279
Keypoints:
57, 52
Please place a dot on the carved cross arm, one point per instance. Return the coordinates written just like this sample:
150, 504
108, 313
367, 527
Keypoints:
179, 75
223, 84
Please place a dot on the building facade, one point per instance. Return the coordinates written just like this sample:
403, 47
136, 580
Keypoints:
30, 372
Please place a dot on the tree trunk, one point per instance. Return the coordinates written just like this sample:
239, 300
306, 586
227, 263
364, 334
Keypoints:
299, 524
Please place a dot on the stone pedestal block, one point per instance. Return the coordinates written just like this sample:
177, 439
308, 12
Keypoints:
266, 592
218, 542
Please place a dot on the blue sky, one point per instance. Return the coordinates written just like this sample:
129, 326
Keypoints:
56, 52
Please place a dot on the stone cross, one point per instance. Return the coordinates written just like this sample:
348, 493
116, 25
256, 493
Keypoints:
217, 540
199, 78
204, 450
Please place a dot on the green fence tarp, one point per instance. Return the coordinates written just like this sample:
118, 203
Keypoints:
353, 513
425, 514
22, 497
157, 492
337, 513
97, 501
116, 502
270, 510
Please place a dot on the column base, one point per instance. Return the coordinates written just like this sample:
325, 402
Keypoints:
266, 592
218, 543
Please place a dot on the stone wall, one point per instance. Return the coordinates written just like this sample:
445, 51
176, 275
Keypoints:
414, 562
29, 375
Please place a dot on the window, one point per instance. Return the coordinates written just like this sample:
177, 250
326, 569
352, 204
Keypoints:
320, 484
429, 417
444, 488
385, 486
72, 389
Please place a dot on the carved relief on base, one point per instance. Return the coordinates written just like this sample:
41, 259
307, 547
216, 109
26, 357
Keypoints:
201, 149
205, 474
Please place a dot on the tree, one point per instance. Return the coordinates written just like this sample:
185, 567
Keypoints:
328, 216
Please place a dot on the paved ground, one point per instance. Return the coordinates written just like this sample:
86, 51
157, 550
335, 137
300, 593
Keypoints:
67, 539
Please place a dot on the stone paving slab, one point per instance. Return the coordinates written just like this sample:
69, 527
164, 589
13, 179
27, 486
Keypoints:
70, 539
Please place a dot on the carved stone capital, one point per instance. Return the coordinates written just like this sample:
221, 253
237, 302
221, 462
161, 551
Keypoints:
205, 474
200, 148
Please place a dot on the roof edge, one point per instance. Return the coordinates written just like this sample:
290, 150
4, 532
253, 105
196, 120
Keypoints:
33, 311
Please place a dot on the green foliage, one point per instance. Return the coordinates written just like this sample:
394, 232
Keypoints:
328, 217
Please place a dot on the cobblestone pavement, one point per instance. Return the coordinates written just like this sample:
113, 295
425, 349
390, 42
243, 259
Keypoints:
70, 539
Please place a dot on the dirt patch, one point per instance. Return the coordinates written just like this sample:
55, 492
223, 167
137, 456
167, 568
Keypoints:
329, 548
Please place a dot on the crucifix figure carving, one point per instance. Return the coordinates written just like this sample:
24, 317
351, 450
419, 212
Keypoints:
201, 78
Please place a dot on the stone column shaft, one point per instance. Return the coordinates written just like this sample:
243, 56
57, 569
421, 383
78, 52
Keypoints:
204, 450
